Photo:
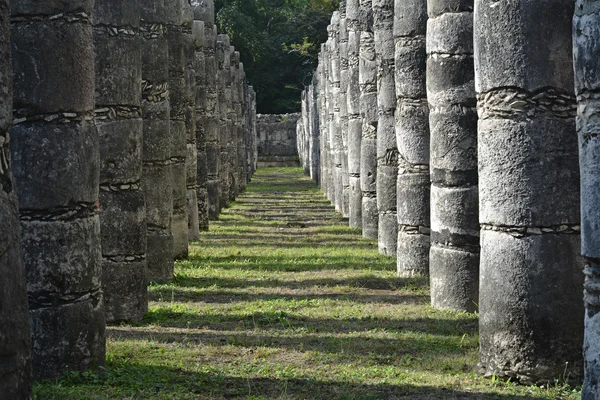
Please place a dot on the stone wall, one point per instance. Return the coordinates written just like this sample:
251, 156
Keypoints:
276, 135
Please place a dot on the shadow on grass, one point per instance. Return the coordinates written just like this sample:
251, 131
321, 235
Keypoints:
282, 320
224, 297
363, 282
140, 381
284, 264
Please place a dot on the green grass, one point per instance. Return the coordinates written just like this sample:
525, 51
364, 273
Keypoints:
281, 300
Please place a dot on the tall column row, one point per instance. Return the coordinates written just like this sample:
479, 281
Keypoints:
466, 163
105, 167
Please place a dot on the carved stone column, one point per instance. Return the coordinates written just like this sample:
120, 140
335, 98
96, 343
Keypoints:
15, 346
179, 36
118, 65
530, 303
54, 149
586, 42
387, 151
454, 254
412, 137
368, 110
354, 119
156, 154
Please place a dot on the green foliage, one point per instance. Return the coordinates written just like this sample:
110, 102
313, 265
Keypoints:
279, 42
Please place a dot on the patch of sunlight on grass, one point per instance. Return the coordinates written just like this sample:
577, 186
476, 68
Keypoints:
282, 300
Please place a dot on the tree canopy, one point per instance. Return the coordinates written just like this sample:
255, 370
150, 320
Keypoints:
279, 42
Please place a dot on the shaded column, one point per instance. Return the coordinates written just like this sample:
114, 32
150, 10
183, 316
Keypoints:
368, 109
191, 161
118, 65
254, 146
156, 155
530, 303
204, 10
586, 42
412, 138
178, 36
243, 154
387, 151
15, 343
234, 132
454, 253
224, 95
201, 124
354, 118
54, 149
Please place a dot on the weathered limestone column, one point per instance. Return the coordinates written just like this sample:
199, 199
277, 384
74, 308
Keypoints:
324, 118
387, 151
530, 303
335, 134
412, 137
118, 65
204, 10
191, 161
368, 110
235, 131
156, 154
343, 106
586, 42
254, 145
314, 139
224, 94
178, 37
354, 118
201, 124
454, 253
15, 346
54, 149
303, 135
243, 154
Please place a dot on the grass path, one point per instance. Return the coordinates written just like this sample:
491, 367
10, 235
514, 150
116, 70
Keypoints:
281, 300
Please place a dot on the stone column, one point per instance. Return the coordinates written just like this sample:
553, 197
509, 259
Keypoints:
368, 109
201, 123
224, 94
343, 107
15, 346
586, 42
324, 118
191, 161
354, 118
204, 10
178, 35
412, 137
387, 151
254, 146
156, 154
530, 303
54, 149
118, 62
302, 135
454, 254
235, 131
335, 133
242, 115
314, 139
